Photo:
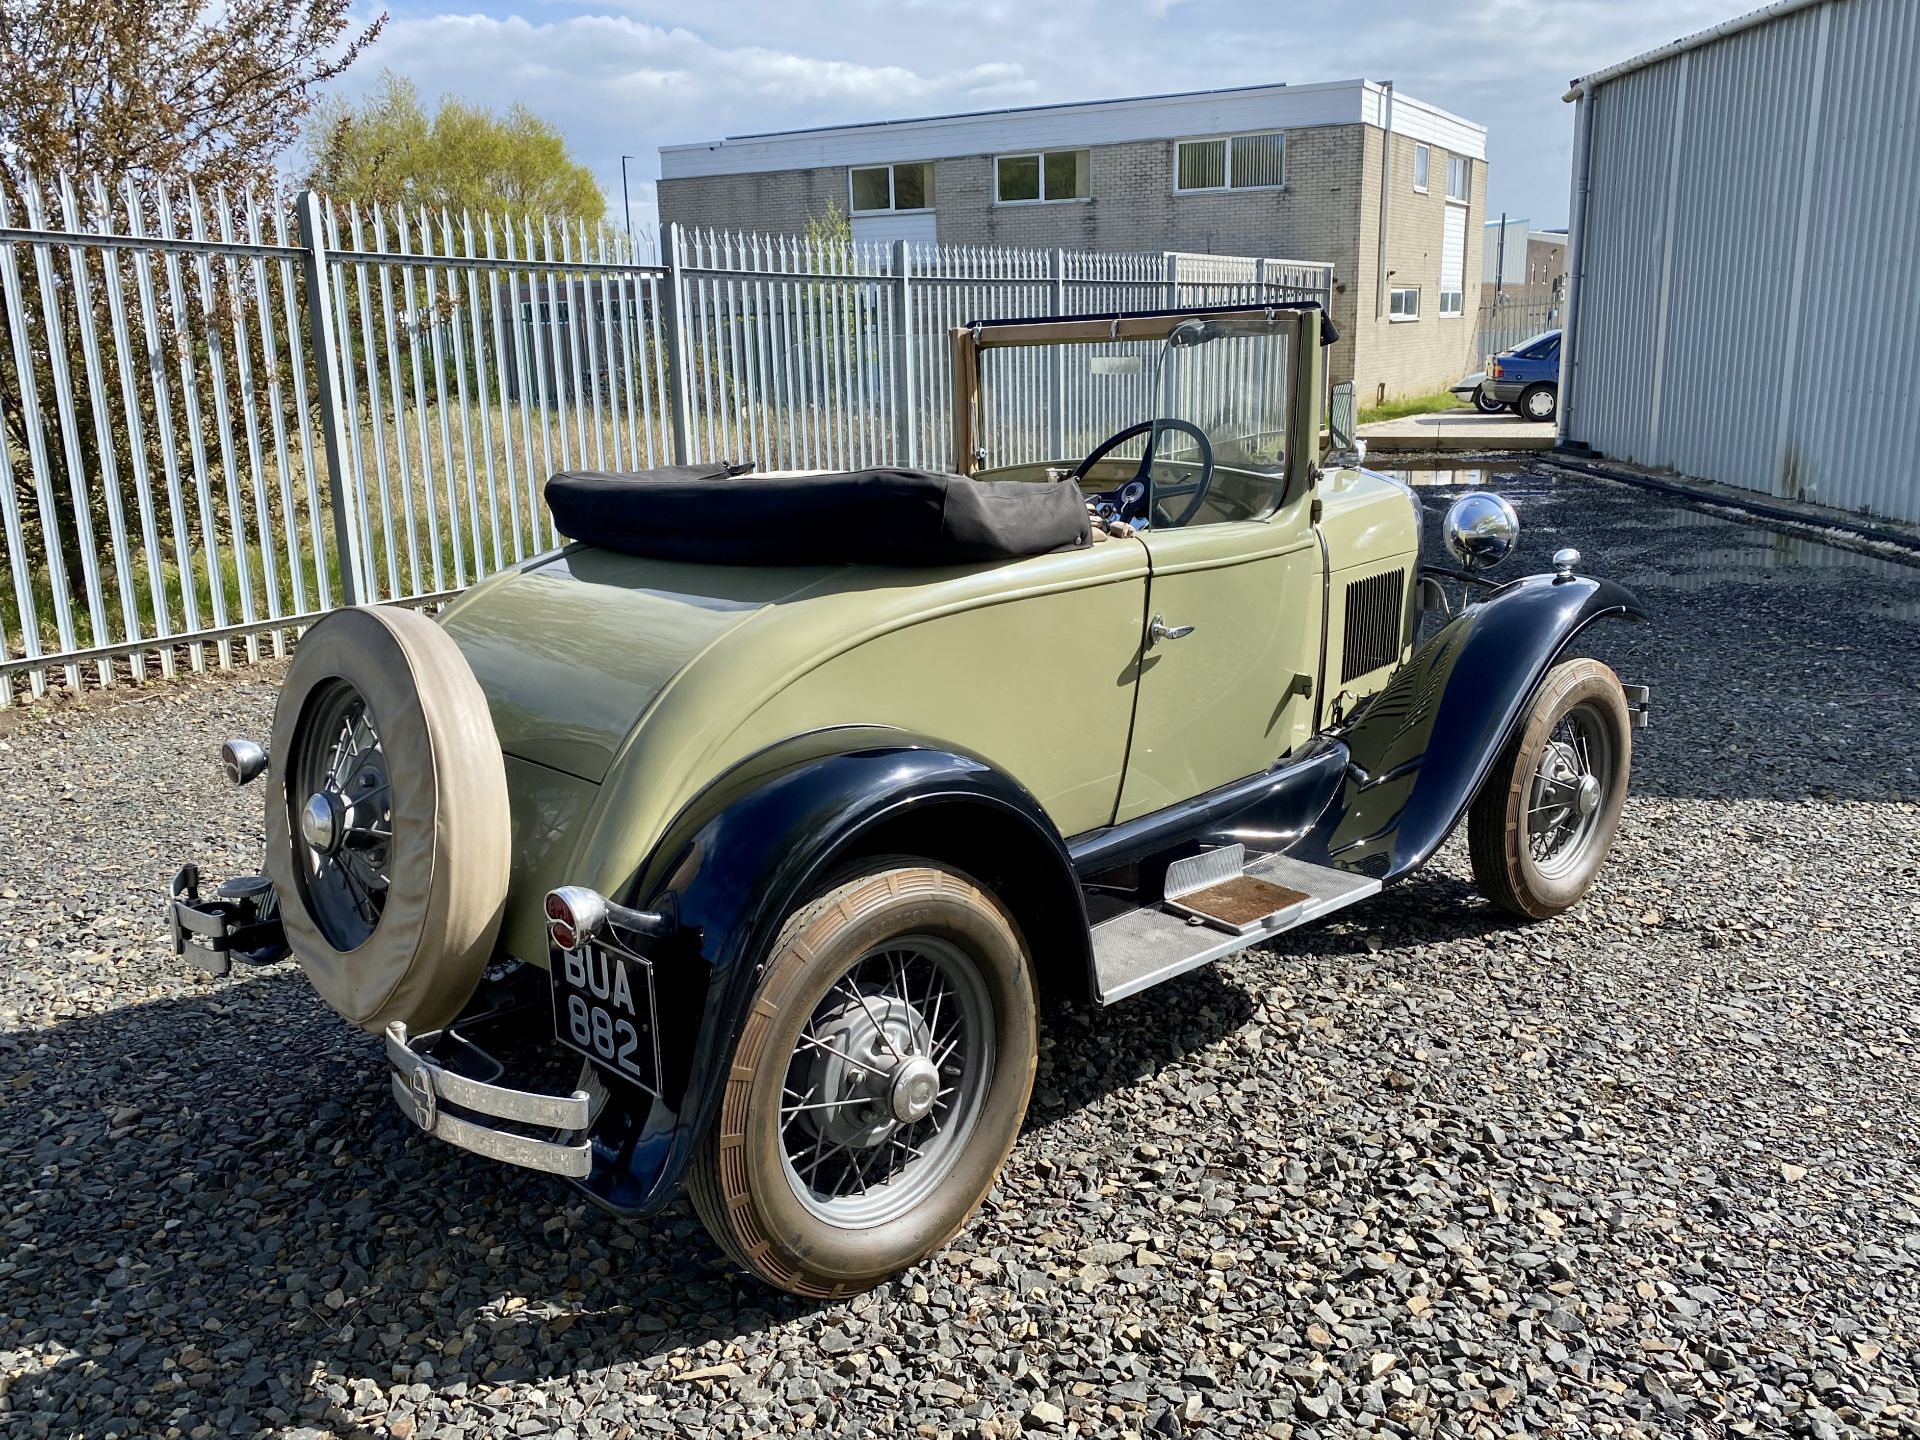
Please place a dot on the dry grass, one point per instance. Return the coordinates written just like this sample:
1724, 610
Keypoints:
461, 497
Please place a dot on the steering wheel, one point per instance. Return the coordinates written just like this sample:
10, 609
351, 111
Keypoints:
1133, 500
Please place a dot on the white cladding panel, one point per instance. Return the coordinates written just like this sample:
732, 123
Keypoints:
1426, 122
1737, 262
1162, 117
1453, 249
1511, 264
914, 226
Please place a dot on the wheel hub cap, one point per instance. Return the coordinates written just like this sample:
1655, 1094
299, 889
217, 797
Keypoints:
320, 822
1586, 796
911, 1089
869, 1070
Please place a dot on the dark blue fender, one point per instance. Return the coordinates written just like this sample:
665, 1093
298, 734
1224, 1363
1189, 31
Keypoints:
749, 849
1421, 747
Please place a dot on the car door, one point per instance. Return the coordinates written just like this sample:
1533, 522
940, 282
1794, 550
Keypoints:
1543, 361
1225, 676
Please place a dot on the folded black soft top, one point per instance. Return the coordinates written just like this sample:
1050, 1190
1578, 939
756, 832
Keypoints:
703, 513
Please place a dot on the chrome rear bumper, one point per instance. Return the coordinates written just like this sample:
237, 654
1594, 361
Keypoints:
422, 1090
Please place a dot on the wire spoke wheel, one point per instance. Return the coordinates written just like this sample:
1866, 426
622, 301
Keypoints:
1575, 769
342, 821
878, 1082
389, 835
1545, 817
884, 1087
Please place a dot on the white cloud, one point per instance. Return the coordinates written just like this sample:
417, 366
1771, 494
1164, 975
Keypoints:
626, 76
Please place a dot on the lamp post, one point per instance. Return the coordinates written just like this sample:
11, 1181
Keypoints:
626, 201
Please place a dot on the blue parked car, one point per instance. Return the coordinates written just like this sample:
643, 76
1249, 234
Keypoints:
1527, 377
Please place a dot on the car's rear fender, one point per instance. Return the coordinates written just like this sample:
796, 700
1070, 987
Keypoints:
751, 847
1423, 745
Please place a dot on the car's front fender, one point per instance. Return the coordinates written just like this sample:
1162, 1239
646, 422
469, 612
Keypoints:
748, 850
1423, 745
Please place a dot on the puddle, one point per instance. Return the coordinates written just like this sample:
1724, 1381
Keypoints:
1673, 547
1719, 548
1436, 474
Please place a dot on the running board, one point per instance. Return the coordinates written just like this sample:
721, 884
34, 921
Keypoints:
1138, 950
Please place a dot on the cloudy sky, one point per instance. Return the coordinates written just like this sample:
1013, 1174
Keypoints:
630, 75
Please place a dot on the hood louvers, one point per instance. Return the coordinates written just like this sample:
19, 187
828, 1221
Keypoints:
1372, 636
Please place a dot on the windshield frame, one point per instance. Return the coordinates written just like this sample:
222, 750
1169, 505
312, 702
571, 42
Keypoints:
1303, 317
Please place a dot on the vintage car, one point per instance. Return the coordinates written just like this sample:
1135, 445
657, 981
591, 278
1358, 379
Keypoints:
778, 802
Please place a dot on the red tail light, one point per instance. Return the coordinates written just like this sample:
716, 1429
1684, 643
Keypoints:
1497, 371
575, 914
560, 921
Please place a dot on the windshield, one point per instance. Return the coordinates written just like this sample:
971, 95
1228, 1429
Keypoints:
1213, 400
1538, 342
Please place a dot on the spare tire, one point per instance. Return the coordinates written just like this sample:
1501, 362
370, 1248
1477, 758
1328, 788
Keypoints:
387, 823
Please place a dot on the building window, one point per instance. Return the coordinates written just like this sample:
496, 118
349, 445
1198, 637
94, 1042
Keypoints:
891, 187
1232, 162
1459, 177
1422, 159
1452, 302
1403, 303
1052, 175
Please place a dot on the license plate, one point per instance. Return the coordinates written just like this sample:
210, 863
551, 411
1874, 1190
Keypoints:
603, 1007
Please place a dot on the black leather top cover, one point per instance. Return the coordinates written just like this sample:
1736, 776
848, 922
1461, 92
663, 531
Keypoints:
704, 514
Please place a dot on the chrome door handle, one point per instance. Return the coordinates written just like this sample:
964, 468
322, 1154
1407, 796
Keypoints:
1159, 630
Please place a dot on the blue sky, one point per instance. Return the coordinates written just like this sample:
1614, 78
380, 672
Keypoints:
626, 76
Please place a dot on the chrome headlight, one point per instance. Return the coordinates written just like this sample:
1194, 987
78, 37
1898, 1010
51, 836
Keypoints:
1480, 530
243, 761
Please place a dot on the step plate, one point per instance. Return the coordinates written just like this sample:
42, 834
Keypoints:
1139, 949
1202, 871
1242, 905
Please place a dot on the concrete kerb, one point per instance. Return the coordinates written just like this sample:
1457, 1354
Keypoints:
1453, 431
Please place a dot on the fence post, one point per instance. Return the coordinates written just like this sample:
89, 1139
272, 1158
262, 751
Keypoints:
1172, 258
1260, 291
679, 423
326, 361
905, 433
1057, 372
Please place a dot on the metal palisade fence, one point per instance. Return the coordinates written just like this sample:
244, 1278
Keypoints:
226, 414
1511, 318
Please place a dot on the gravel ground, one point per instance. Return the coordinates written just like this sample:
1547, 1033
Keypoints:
1652, 1168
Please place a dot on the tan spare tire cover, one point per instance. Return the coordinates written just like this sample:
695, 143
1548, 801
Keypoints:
447, 861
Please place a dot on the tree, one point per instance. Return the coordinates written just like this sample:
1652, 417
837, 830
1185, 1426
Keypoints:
217, 89
384, 149
831, 233
212, 91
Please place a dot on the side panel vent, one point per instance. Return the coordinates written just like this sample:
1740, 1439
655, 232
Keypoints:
1373, 624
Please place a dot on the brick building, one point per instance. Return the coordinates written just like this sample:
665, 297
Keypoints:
1547, 259
1287, 171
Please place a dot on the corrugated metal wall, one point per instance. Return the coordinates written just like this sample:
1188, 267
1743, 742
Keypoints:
1746, 301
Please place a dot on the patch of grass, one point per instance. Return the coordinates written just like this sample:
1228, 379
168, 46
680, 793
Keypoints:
450, 477
173, 590
1411, 405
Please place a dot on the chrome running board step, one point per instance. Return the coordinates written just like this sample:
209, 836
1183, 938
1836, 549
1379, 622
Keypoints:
1138, 950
